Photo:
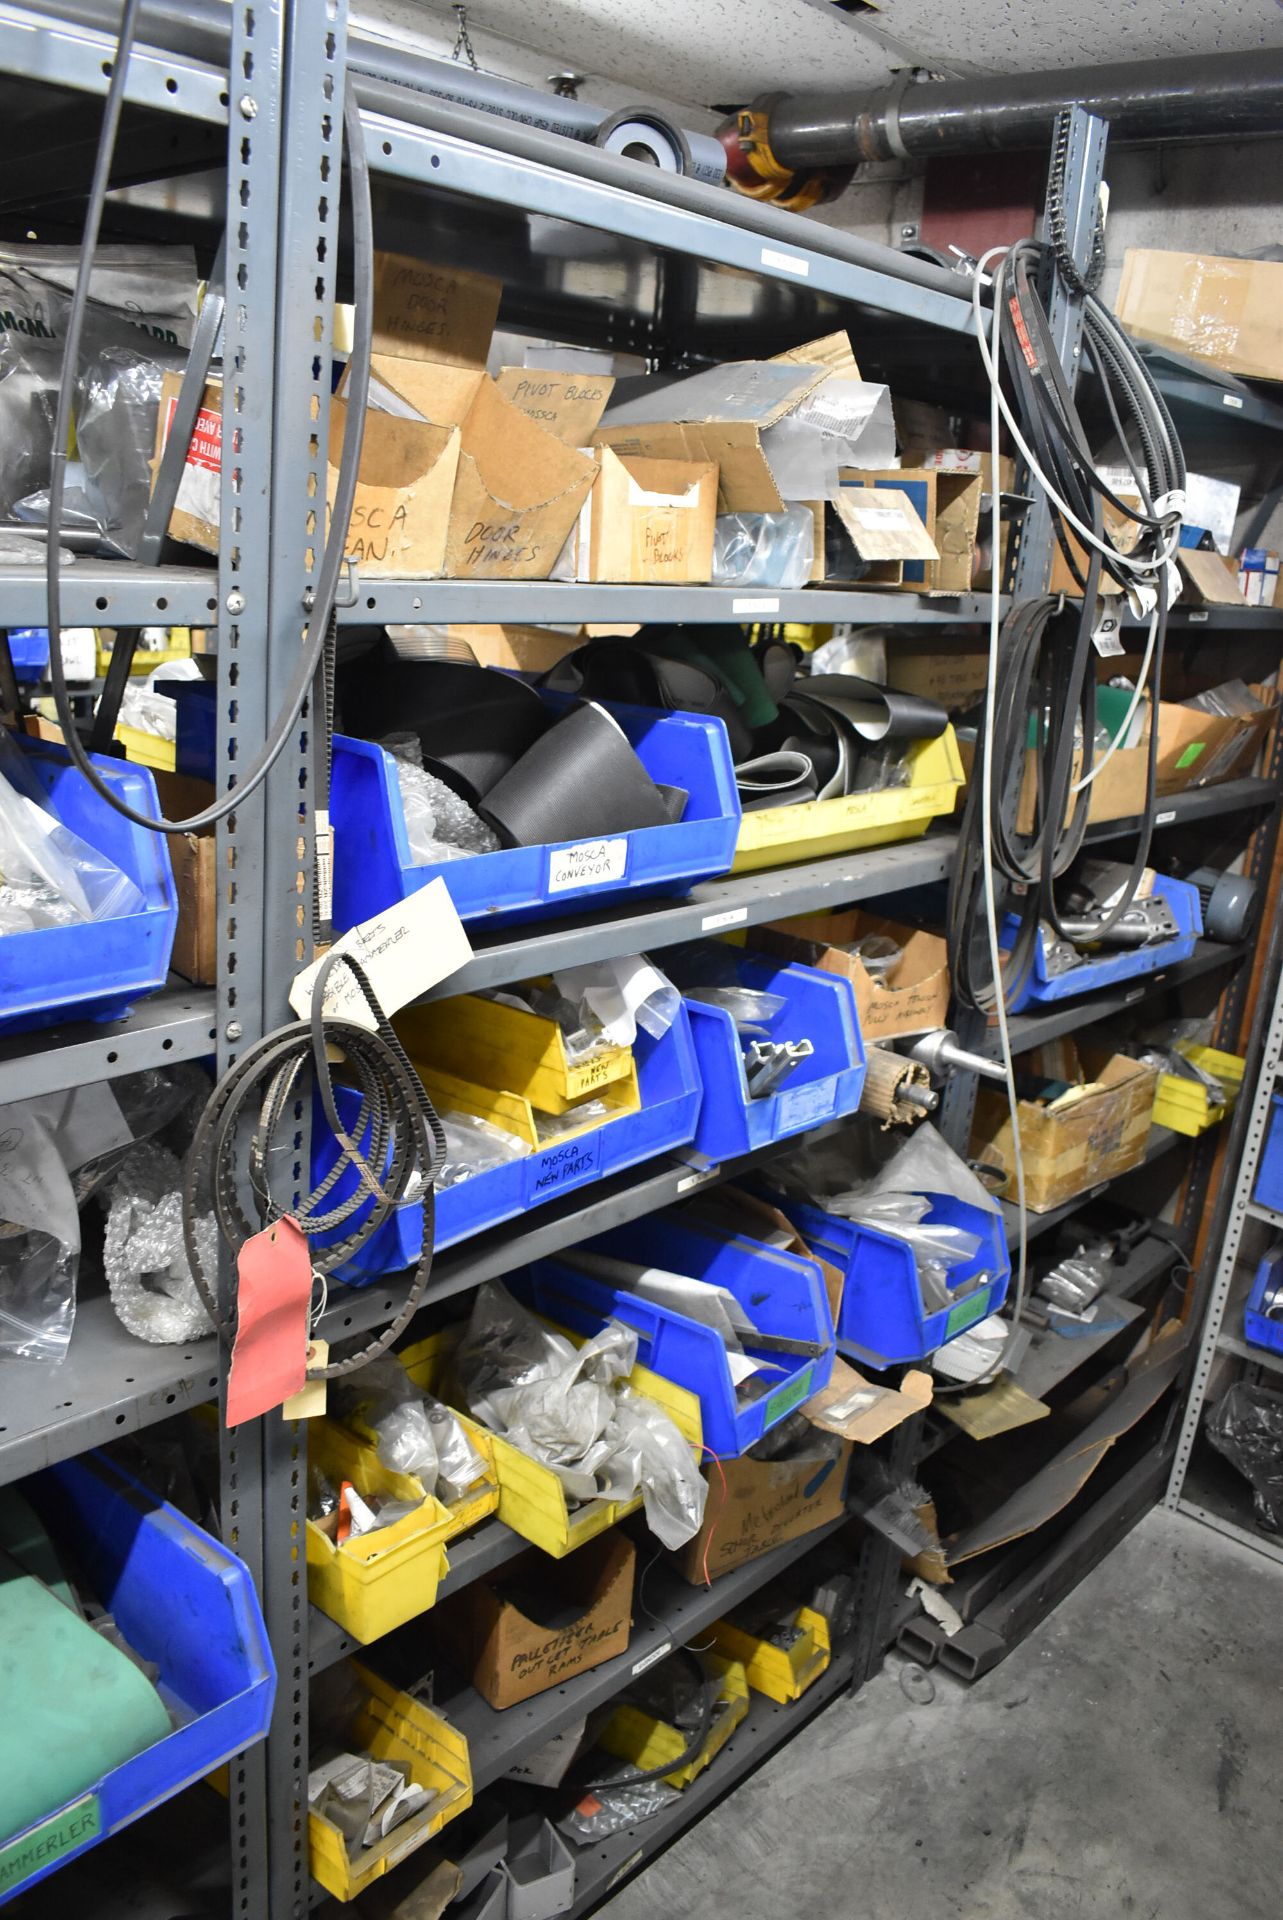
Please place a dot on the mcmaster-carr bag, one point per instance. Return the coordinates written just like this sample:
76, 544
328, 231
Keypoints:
139, 321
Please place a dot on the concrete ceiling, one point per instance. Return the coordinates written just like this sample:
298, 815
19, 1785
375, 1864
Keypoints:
702, 53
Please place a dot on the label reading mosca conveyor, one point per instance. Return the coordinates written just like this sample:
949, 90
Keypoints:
593, 863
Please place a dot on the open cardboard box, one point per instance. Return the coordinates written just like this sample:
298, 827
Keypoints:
194, 857
948, 504
1092, 1133
919, 998
568, 405
509, 1655
644, 521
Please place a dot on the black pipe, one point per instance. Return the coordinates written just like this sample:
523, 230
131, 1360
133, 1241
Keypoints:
1221, 96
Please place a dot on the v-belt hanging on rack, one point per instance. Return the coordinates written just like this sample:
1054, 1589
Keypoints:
1045, 692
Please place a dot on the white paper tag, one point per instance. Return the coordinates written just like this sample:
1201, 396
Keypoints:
1232, 400
791, 263
756, 604
879, 516
1165, 819
700, 1179
593, 863
733, 917
652, 1658
404, 951
79, 652
323, 867
1107, 636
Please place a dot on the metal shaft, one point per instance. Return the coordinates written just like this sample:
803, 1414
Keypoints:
1225, 96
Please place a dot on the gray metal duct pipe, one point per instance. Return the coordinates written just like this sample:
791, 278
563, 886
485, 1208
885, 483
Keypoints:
1221, 96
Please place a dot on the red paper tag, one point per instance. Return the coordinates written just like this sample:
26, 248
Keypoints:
269, 1354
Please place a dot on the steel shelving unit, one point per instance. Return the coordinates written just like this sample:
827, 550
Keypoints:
591, 249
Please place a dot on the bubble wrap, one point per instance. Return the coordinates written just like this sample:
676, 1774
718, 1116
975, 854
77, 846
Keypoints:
151, 1286
438, 824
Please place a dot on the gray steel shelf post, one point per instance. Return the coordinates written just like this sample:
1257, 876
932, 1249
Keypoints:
255, 77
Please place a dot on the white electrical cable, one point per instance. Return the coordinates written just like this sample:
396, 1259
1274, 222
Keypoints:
986, 848
990, 359
1099, 766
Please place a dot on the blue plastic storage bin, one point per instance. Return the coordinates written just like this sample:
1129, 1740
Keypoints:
29, 651
882, 1319
373, 868
1188, 915
181, 1600
98, 968
783, 1293
196, 732
820, 1008
1268, 1191
1258, 1327
668, 1079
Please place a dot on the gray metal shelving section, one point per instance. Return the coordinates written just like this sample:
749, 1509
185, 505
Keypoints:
677, 267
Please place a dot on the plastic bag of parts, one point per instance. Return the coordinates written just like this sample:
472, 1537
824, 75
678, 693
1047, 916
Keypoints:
764, 549
144, 1256
414, 1432
581, 1114
858, 650
607, 1809
618, 996
1246, 1425
439, 825
141, 312
55, 1152
474, 1146
1075, 1281
365, 1799
842, 423
49, 876
569, 1409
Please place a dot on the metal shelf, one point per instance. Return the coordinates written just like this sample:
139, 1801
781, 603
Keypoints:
112, 593
1195, 385
1067, 1016
175, 1024
1196, 803
1160, 1143
498, 1738
547, 602
38, 45
738, 900
1243, 1350
765, 1728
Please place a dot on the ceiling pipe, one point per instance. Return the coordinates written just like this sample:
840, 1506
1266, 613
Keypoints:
1221, 96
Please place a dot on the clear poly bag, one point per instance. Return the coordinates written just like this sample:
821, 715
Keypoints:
50, 876
39, 1239
474, 1146
844, 422
1246, 1426
118, 400
610, 1809
144, 1254
439, 825
619, 996
764, 549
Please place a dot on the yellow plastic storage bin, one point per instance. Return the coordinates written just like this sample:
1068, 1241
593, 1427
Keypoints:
776, 836
427, 1363
514, 1113
148, 749
1185, 1105
382, 1579
393, 1727
499, 1046
780, 1673
634, 1735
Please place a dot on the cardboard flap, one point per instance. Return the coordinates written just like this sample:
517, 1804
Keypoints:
832, 351
875, 1410
745, 482
394, 452
751, 392
517, 463
882, 524
424, 391
569, 405
1212, 578
425, 312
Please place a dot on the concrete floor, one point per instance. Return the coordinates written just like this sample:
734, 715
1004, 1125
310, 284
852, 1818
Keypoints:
1124, 1763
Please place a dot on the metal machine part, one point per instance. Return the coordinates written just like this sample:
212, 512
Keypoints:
768, 1064
896, 1090
941, 1052
1231, 96
1228, 900
1144, 924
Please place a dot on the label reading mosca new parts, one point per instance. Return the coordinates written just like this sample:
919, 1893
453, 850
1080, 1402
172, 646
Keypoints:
74, 1827
566, 1164
593, 863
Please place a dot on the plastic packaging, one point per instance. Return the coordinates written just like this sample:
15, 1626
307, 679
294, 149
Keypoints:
144, 1258
752, 1012
764, 549
117, 408
475, 1146
1246, 1426
583, 1113
414, 1433
609, 1809
618, 996
569, 1410
439, 825
39, 1240
842, 423
49, 876
879, 955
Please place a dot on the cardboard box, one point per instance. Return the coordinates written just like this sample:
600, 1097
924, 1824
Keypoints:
1209, 579
194, 516
524, 649
644, 521
766, 1502
440, 314
1258, 576
919, 998
510, 1656
569, 405
195, 862
956, 680
1228, 312
1091, 1134
948, 504
1202, 749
